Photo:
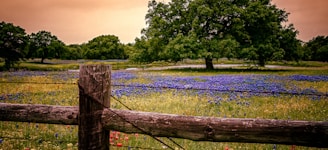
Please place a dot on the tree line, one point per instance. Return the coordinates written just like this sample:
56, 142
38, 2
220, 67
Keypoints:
16, 45
253, 30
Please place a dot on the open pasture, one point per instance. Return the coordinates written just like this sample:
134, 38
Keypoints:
248, 95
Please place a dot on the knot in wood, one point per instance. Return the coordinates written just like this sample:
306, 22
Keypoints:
209, 132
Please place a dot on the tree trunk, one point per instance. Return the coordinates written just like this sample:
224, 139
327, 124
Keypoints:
42, 60
209, 63
262, 58
44, 54
7, 64
261, 62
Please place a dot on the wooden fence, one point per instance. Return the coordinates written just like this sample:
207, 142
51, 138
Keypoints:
95, 119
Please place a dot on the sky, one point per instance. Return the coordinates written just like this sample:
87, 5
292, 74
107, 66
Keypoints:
79, 21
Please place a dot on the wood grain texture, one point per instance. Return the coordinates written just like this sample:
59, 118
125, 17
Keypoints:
66, 115
94, 94
197, 128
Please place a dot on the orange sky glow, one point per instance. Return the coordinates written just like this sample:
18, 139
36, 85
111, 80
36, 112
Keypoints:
78, 21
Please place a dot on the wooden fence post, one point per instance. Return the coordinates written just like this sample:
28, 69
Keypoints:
94, 93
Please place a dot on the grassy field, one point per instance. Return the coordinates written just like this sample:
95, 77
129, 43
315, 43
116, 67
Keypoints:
63, 65
294, 94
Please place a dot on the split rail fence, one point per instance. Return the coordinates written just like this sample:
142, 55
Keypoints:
95, 120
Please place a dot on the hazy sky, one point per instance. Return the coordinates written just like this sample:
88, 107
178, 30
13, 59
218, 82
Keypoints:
78, 21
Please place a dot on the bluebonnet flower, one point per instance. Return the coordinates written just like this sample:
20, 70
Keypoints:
214, 86
233, 87
313, 78
15, 96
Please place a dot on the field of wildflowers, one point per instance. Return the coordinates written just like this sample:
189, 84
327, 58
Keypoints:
244, 95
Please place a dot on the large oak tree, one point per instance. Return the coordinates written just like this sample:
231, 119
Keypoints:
209, 29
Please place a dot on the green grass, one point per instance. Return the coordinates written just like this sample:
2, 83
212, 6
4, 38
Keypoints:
243, 70
16, 135
59, 65
300, 63
270, 107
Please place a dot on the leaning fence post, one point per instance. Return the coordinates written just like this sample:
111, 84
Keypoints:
94, 94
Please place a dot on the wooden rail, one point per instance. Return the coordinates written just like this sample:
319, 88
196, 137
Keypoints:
197, 128
95, 119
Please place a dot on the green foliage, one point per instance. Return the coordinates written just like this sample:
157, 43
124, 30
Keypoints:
105, 47
73, 52
16, 45
45, 45
292, 47
143, 51
13, 42
129, 49
214, 23
270, 40
180, 48
227, 48
323, 53
217, 29
316, 49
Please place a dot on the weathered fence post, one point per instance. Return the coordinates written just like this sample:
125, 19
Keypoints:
94, 93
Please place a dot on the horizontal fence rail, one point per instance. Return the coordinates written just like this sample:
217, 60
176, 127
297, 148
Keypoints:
66, 115
196, 128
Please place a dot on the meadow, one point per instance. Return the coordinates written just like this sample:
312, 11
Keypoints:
270, 94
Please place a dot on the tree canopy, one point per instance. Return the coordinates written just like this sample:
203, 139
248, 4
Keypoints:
45, 45
248, 29
13, 41
105, 47
316, 49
